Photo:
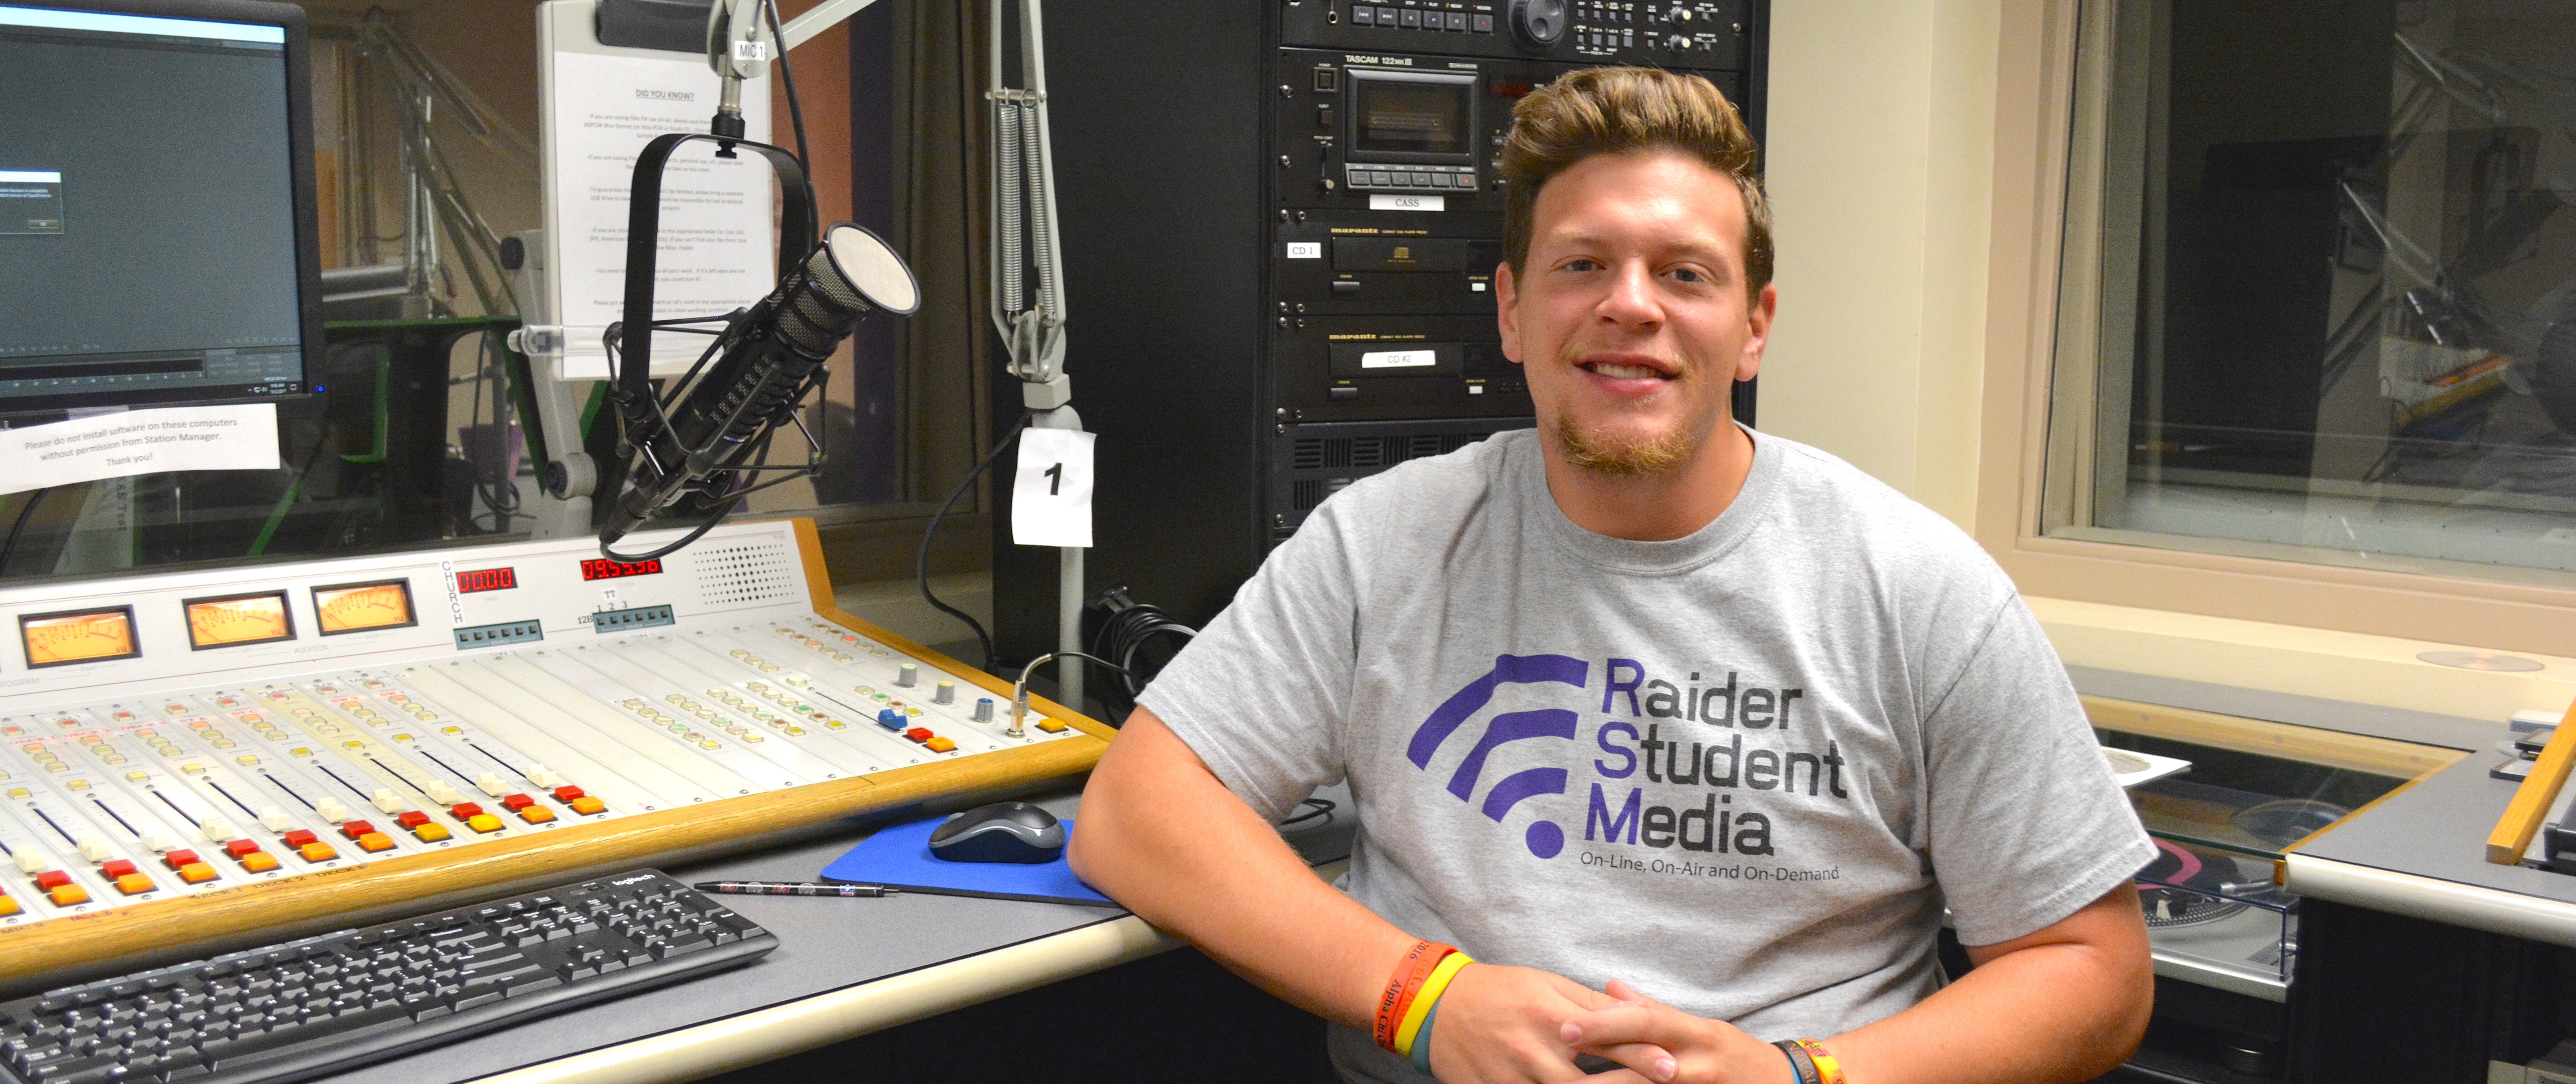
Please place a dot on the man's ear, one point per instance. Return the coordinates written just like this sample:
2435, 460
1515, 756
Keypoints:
1764, 308
1507, 315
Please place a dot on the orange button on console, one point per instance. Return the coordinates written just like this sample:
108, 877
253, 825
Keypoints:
259, 861
134, 884
430, 833
375, 841
939, 745
483, 822
196, 873
67, 895
536, 814
587, 805
317, 852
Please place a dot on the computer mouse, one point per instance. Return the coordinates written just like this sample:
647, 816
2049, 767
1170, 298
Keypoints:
1000, 832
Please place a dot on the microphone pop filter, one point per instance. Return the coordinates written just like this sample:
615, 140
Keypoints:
871, 269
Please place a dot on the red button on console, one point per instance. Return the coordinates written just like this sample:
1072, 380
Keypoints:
179, 859
115, 868
465, 811
568, 793
240, 847
53, 878
411, 818
357, 829
517, 802
918, 733
299, 837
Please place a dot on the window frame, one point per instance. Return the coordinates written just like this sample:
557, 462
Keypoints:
2039, 191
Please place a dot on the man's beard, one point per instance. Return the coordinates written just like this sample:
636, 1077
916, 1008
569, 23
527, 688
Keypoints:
1615, 457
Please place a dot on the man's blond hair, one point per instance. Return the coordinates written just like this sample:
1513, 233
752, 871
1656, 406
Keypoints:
1621, 110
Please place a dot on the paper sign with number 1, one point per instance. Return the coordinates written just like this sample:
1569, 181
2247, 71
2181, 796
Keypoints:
1051, 497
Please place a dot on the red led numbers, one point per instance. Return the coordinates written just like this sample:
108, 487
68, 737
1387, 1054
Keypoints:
602, 569
488, 579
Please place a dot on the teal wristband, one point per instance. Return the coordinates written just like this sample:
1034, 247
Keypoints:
1800, 1066
1422, 1039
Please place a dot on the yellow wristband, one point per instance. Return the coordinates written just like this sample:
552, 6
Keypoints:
1422, 1002
1828, 1070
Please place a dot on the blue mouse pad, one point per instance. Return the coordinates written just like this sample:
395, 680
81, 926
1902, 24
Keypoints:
900, 856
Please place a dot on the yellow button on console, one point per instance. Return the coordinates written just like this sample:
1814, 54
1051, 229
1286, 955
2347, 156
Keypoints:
259, 861
1051, 726
196, 873
939, 745
430, 833
587, 806
483, 822
8, 907
67, 895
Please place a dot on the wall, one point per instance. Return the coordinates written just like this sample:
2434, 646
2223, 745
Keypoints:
1880, 173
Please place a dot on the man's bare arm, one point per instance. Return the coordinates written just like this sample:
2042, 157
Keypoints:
2069, 1002
1162, 835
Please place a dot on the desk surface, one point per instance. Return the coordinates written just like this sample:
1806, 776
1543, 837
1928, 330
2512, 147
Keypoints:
825, 945
2422, 853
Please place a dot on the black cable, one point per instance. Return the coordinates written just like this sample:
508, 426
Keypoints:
29, 509
699, 532
1314, 807
787, 80
921, 559
1128, 626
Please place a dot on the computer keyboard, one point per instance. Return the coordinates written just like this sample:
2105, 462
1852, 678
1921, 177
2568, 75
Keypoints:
334, 1002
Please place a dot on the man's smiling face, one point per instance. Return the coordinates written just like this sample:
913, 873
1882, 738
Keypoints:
1631, 315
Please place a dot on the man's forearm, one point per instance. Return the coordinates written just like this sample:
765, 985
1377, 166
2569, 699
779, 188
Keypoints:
1163, 836
2061, 1009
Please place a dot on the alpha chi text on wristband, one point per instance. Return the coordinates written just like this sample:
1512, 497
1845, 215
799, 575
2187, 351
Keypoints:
1402, 987
1828, 1070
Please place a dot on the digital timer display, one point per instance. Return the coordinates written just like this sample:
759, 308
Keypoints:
603, 569
486, 579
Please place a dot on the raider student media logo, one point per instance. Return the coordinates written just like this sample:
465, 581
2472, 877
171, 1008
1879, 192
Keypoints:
1699, 767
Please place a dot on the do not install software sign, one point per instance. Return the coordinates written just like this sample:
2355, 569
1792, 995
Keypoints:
31, 201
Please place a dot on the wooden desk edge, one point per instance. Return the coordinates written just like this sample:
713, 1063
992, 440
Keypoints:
2531, 800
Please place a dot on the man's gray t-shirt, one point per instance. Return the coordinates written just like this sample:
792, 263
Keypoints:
1743, 770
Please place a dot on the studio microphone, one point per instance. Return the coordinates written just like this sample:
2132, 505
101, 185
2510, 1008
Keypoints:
769, 358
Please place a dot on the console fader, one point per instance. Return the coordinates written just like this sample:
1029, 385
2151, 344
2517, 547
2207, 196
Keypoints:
195, 755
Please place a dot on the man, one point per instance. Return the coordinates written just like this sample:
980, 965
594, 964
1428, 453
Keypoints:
1686, 735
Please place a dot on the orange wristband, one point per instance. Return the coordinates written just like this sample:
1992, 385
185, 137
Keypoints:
1828, 1070
1401, 988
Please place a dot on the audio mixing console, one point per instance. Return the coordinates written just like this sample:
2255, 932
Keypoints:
206, 756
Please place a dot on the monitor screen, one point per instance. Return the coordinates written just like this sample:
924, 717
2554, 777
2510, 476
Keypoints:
156, 220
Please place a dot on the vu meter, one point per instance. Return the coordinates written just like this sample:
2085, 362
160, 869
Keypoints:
360, 607
58, 639
245, 619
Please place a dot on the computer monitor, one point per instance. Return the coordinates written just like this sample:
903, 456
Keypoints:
157, 230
